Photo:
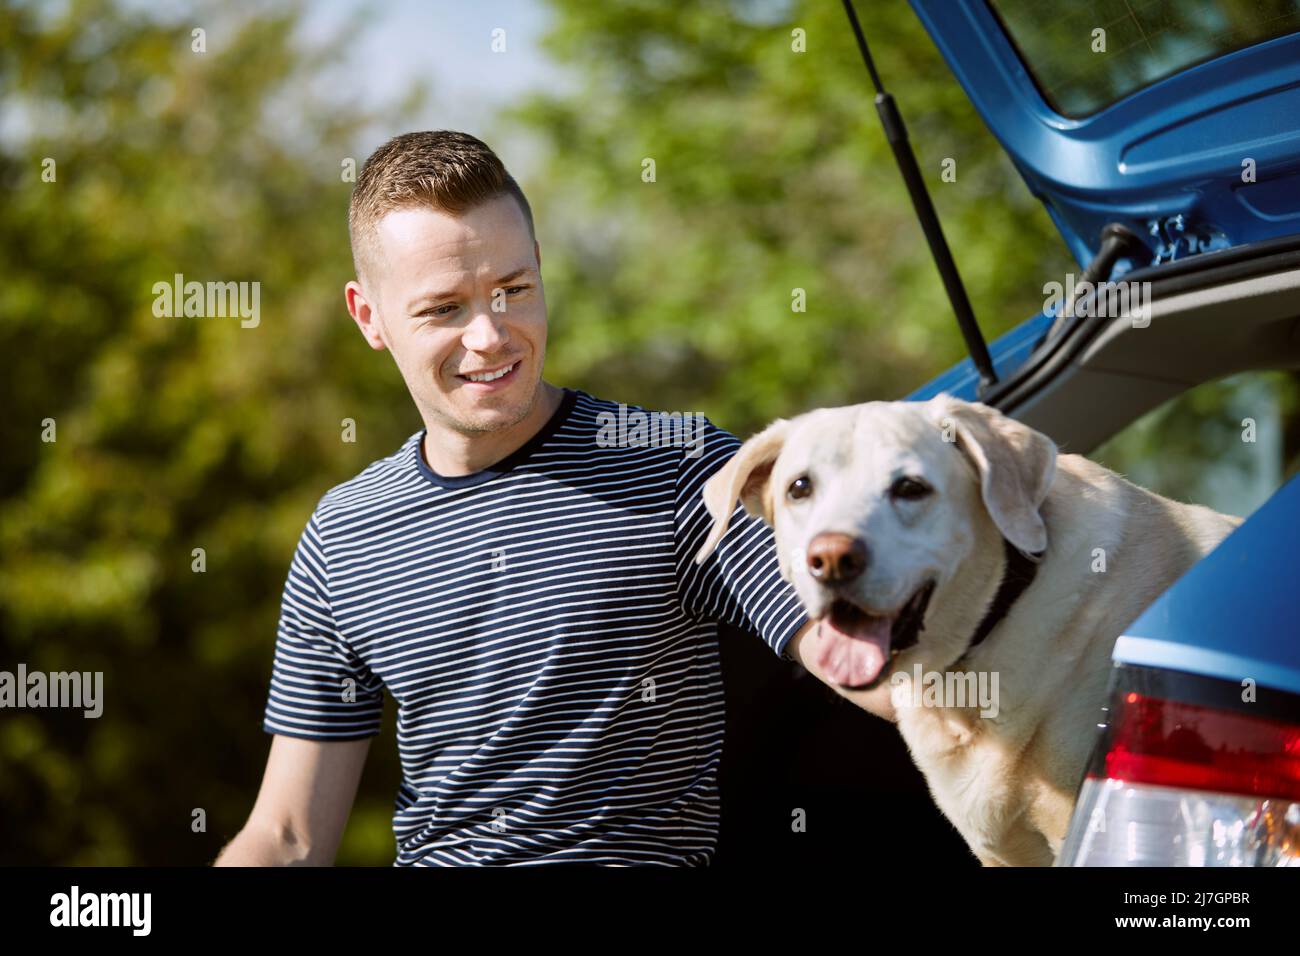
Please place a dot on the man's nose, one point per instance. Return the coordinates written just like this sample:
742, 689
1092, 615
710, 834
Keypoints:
836, 558
486, 332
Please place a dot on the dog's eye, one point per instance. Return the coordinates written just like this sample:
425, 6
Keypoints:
801, 487
909, 489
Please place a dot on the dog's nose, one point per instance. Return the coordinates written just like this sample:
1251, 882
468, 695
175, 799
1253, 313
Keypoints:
835, 558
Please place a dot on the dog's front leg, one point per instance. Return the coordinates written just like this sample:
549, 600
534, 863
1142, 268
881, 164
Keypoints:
1019, 846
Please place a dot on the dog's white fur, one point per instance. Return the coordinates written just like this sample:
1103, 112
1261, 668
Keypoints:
1006, 782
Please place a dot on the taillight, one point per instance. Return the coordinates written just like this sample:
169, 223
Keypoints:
1175, 783
1199, 748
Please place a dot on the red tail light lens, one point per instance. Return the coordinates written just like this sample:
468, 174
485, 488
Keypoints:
1202, 748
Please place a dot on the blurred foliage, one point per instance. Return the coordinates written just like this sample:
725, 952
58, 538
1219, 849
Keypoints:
172, 433
771, 174
1200, 448
176, 434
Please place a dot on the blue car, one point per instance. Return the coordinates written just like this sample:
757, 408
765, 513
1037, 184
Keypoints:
1164, 140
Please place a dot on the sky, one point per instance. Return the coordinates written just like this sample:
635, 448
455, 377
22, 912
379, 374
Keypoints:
447, 44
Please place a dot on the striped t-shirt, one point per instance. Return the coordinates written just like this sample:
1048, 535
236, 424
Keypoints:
547, 637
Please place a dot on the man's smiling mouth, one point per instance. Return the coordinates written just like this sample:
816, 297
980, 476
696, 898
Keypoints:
489, 375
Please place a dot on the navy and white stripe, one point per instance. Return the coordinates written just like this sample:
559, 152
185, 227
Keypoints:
548, 639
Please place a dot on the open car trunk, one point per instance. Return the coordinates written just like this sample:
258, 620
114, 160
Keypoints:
1209, 317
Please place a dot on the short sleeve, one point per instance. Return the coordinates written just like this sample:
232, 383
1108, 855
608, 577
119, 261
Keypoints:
740, 583
320, 689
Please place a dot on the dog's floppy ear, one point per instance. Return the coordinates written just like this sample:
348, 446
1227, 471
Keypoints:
744, 476
1015, 463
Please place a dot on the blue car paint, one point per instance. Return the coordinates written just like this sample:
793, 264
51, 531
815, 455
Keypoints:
1165, 161
1236, 613
1008, 352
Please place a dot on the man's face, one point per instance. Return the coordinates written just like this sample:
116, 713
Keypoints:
455, 296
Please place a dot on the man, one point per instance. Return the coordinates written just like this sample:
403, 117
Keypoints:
524, 590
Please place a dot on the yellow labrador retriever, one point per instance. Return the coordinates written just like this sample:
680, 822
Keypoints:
945, 544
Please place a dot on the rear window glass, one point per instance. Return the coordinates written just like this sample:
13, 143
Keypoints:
1227, 444
1081, 71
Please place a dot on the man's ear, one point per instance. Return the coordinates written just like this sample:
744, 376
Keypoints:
744, 476
364, 314
1015, 464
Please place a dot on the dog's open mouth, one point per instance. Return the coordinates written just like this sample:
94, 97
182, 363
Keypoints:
855, 647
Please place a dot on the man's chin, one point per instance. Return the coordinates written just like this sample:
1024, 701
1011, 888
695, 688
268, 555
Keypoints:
492, 412
484, 420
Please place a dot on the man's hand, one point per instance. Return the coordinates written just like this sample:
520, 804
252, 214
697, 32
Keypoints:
306, 796
878, 701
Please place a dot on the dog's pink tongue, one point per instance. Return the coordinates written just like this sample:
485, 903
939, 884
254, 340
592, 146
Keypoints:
855, 656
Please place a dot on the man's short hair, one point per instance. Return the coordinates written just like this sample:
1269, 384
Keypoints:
445, 170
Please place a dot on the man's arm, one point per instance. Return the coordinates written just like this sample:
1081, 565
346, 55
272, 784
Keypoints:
306, 796
802, 648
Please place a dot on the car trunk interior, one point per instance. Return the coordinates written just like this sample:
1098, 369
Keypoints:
1204, 324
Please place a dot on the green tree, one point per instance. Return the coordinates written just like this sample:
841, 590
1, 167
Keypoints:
771, 174
172, 434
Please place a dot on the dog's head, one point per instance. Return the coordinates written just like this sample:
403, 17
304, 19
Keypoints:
888, 517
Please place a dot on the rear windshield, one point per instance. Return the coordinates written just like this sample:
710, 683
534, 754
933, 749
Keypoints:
1144, 41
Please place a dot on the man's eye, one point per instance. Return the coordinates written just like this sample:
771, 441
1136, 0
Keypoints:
909, 489
515, 288
440, 310
801, 487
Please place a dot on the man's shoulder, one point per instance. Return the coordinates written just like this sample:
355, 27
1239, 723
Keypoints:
686, 442
627, 423
593, 405
374, 486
